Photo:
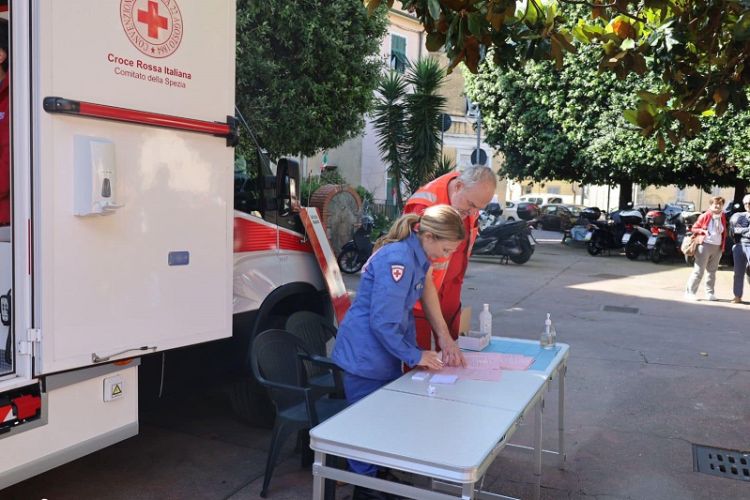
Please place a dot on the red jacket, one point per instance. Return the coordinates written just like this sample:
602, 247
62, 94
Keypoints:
701, 226
4, 152
447, 273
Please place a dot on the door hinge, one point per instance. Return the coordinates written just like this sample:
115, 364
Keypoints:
26, 346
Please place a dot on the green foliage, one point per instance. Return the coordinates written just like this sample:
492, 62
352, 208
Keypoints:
424, 106
698, 49
444, 166
364, 194
311, 184
529, 115
382, 223
408, 124
306, 72
389, 121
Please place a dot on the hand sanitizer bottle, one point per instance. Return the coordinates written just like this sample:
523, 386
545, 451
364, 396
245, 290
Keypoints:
548, 338
485, 320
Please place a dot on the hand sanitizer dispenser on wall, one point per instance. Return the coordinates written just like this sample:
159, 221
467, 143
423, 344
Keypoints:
95, 176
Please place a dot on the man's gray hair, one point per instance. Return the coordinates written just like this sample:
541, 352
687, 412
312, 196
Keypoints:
478, 174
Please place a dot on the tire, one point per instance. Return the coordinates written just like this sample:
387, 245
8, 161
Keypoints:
632, 253
349, 261
655, 254
509, 219
251, 404
593, 247
526, 252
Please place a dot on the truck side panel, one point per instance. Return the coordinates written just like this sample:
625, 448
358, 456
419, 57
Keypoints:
154, 269
78, 422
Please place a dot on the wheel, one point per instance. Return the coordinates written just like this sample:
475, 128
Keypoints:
349, 261
526, 252
593, 247
511, 219
632, 253
655, 254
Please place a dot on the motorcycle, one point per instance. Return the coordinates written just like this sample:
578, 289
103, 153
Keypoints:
667, 233
355, 252
635, 238
608, 234
511, 240
489, 216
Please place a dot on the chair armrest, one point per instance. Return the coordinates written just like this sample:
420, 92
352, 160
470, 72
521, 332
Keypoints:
285, 387
323, 361
327, 363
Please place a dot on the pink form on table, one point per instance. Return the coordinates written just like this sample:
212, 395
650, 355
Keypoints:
488, 366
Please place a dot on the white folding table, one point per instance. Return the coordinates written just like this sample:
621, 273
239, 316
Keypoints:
403, 427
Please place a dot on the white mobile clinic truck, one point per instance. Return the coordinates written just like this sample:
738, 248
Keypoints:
124, 239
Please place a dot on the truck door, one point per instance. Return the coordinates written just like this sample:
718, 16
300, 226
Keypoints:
132, 177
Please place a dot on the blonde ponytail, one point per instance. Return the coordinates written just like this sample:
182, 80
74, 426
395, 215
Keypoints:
442, 221
400, 230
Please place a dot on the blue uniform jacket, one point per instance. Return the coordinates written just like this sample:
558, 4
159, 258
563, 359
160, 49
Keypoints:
378, 331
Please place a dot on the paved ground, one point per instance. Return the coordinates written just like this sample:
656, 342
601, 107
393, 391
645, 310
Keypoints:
642, 387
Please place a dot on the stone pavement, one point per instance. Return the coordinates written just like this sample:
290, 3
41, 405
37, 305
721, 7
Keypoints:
642, 387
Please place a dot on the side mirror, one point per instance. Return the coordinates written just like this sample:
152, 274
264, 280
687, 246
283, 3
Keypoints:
287, 185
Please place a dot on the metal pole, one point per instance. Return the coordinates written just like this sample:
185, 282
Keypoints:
479, 132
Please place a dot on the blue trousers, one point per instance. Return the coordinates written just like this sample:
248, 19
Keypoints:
741, 255
355, 389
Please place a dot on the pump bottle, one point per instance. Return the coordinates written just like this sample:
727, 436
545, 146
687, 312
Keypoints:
485, 320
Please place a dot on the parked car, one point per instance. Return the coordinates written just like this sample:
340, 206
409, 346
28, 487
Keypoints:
520, 210
542, 199
558, 217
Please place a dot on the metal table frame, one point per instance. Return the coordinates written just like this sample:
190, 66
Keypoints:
505, 411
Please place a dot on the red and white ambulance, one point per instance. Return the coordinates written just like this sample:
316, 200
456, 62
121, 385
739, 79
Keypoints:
124, 239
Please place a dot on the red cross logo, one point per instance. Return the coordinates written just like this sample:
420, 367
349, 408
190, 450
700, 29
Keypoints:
397, 272
152, 18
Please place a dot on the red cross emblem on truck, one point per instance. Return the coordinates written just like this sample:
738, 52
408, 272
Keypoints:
152, 18
154, 27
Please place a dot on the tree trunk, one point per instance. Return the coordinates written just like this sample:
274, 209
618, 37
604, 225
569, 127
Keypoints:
740, 188
626, 194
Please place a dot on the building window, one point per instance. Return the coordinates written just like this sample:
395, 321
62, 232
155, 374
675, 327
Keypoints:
398, 60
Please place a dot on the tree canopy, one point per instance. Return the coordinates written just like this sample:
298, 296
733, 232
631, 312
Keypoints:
527, 115
698, 49
306, 71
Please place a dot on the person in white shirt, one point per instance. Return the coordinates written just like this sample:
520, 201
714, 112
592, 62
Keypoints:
710, 229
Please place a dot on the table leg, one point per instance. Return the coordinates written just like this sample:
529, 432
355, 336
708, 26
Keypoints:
538, 448
561, 415
467, 491
318, 479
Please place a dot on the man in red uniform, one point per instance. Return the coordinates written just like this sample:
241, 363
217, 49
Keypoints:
4, 126
468, 192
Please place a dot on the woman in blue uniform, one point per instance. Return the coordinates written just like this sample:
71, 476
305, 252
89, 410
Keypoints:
378, 334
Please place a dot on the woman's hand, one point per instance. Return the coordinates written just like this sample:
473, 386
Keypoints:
431, 360
452, 355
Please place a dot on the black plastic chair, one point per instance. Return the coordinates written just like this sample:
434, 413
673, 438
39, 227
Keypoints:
277, 361
315, 332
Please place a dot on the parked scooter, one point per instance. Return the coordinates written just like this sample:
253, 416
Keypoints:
355, 253
489, 216
607, 235
667, 232
635, 237
511, 240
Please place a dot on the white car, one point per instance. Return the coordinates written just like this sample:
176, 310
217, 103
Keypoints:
528, 209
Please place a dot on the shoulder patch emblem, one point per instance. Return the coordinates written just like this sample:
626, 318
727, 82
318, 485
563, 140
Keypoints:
397, 272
